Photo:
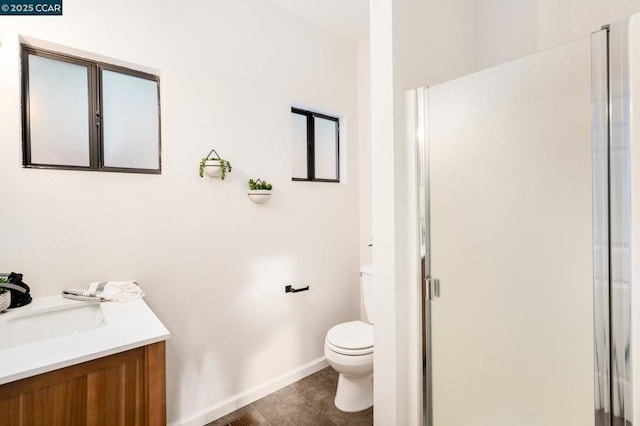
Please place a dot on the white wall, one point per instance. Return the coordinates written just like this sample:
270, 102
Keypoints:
212, 263
384, 363
508, 30
364, 158
364, 149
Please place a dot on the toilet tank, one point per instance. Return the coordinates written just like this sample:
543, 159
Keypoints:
366, 288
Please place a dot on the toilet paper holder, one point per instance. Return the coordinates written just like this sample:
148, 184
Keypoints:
289, 289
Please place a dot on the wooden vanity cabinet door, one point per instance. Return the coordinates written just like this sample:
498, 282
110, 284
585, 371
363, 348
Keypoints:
125, 389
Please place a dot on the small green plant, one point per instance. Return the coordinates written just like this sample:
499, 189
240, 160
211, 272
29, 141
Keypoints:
225, 166
2, 281
259, 184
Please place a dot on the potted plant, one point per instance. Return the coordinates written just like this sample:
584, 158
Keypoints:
214, 166
259, 190
5, 295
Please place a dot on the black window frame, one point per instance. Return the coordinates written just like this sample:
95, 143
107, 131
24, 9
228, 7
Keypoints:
96, 140
311, 170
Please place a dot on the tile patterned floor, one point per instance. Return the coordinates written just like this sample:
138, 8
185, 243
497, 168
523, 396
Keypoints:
306, 402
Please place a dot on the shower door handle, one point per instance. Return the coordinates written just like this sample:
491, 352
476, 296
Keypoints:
433, 288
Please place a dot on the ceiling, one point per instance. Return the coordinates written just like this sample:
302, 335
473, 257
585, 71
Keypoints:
348, 19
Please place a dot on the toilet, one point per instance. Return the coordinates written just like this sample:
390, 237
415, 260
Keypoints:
349, 350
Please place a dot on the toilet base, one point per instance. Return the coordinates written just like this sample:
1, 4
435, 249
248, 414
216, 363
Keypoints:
354, 393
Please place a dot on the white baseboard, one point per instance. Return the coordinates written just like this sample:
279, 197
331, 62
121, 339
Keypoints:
230, 405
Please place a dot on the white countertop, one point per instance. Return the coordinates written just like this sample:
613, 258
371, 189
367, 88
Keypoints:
127, 325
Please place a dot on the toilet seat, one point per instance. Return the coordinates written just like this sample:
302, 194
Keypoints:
351, 338
349, 352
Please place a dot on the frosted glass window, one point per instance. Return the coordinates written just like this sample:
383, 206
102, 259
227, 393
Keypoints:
58, 112
131, 121
299, 154
315, 153
80, 114
326, 148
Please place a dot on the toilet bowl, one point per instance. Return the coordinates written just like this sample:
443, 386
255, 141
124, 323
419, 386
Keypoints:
348, 348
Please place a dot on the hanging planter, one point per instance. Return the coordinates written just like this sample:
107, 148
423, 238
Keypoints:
259, 191
214, 166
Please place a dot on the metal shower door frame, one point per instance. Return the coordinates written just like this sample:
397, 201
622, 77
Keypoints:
611, 224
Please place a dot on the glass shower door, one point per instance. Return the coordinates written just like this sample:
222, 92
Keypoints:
510, 190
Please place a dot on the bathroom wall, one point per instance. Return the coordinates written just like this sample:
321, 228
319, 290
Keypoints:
212, 263
364, 151
364, 158
508, 30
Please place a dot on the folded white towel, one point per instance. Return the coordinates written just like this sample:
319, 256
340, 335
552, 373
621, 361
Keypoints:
113, 291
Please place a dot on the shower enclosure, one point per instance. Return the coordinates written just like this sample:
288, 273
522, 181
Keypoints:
526, 205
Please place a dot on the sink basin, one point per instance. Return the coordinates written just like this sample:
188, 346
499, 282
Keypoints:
53, 332
35, 325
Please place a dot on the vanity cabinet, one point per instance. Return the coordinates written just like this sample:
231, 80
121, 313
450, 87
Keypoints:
126, 388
